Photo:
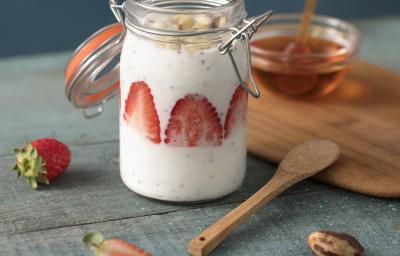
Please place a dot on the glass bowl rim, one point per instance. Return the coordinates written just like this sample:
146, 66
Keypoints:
350, 50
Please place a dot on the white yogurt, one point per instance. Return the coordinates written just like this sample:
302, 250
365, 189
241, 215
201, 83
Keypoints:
180, 174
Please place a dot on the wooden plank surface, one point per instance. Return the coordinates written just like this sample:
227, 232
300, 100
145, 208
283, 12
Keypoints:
362, 116
91, 196
91, 191
281, 228
33, 105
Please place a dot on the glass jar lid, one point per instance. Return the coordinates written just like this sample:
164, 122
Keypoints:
92, 74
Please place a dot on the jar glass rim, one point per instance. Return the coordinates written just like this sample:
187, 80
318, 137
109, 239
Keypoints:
136, 11
157, 5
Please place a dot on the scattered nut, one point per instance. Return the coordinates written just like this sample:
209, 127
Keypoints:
184, 22
328, 243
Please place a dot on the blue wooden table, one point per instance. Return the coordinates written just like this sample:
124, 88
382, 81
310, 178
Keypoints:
91, 197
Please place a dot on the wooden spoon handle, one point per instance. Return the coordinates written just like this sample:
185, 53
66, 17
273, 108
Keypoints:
210, 238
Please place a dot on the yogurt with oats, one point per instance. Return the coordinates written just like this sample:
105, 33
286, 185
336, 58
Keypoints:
183, 114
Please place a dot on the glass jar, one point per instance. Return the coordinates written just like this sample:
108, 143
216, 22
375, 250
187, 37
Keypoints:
183, 93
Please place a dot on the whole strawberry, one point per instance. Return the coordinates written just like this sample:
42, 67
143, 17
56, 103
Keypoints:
112, 247
42, 161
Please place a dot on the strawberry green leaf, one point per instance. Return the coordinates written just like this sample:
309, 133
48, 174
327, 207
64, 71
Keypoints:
30, 165
93, 240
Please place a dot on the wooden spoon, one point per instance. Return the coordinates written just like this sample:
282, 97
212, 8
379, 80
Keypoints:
303, 161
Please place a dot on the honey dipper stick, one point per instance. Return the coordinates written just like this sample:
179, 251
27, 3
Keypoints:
308, 12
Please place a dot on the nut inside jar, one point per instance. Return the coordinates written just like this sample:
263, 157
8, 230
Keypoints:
185, 23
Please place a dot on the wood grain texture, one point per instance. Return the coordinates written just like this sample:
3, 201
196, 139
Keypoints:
362, 116
92, 191
279, 229
33, 105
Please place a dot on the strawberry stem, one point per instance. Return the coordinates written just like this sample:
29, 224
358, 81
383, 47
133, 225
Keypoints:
30, 166
93, 240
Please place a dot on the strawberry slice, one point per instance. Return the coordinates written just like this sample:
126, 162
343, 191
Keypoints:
237, 110
140, 111
194, 122
112, 247
118, 247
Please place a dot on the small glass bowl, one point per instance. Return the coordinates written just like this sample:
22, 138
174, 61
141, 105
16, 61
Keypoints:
334, 45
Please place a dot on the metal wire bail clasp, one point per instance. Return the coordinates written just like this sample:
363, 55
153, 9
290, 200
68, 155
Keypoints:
117, 10
245, 33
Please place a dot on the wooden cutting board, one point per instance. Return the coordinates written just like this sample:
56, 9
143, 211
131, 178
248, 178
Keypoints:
362, 116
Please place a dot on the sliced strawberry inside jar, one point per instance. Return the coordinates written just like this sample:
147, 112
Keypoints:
194, 122
140, 111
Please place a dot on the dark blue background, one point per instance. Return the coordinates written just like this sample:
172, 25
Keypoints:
36, 26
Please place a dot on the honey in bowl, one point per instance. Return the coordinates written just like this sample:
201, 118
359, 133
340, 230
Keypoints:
297, 70
297, 73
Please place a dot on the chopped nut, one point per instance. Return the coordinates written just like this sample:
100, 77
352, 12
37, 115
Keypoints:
220, 22
192, 48
184, 22
202, 22
171, 26
197, 43
169, 45
328, 243
156, 24
172, 46
155, 21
